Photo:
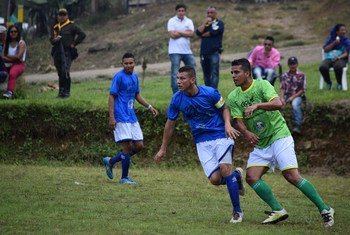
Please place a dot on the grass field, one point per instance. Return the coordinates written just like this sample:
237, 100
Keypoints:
69, 200
156, 89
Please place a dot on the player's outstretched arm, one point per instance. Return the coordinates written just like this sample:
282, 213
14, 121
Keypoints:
250, 136
229, 130
147, 105
167, 134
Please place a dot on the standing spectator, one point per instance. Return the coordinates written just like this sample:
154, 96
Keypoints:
336, 48
69, 35
293, 87
209, 118
255, 108
211, 32
264, 60
3, 70
180, 29
122, 118
14, 56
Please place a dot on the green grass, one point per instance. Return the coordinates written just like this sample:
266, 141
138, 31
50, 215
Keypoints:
93, 94
80, 199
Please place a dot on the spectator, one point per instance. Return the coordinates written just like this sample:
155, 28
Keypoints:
180, 29
211, 32
264, 60
293, 86
69, 35
336, 47
14, 55
3, 70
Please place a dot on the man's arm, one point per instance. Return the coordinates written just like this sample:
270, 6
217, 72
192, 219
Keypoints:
250, 136
167, 134
80, 35
274, 104
229, 130
145, 104
111, 120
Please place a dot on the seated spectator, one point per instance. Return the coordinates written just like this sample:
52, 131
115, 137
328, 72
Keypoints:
336, 49
293, 85
3, 70
13, 54
264, 59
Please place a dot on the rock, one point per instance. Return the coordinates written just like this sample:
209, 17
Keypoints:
102, 46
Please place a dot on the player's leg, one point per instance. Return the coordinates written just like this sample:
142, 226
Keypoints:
288, 164
259, 162
207, 153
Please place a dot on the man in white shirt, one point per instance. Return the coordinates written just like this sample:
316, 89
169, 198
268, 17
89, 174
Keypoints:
180, 29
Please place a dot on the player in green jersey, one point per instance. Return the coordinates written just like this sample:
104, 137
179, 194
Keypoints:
254, 105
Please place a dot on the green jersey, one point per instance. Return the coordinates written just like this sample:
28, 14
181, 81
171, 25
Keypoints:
269, 126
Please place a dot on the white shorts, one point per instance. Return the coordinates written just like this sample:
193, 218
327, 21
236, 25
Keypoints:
126, 131
280, 154
213, 153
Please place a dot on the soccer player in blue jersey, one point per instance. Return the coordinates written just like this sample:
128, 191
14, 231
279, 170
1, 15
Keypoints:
209, 118
122, 118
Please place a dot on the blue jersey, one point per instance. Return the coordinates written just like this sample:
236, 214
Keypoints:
202, 111
124, 88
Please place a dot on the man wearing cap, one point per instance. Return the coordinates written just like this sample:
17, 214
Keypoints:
3, 71
70, 35
264, 59
293, 86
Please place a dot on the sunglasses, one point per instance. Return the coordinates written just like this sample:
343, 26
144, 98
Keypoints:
13, 31
267, 44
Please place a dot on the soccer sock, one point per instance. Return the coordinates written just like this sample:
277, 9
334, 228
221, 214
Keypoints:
116, 158
310, 191
266, 194
125, 165
232, 187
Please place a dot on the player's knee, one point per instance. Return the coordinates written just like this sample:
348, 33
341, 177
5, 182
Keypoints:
292, 176
251, 178
215, 179
225, 170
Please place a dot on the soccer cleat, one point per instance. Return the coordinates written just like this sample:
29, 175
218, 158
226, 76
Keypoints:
127, 180
8, 94
329, 86
240, 182
275, 216
339, 87
237, 217
328, 217
296, 130
109, 168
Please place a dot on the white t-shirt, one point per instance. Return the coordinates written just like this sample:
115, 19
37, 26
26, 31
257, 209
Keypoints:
180, 45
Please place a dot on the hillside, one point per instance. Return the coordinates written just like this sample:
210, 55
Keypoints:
143, 32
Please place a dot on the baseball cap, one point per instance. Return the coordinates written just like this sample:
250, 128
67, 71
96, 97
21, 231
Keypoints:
2, 29
292, 60
63, 11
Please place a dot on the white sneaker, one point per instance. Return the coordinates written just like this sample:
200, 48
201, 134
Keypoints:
328, 217
275, 216
240, 182
237, 217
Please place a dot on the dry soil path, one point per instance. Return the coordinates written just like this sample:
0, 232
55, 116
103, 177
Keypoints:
305, 54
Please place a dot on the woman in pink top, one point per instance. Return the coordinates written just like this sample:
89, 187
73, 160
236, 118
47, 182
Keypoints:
13, 54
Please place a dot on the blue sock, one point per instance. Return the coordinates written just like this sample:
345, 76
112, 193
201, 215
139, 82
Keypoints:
236, 175
232, 187
125, 165
116, 158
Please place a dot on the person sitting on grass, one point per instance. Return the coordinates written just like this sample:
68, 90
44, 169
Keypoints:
122, 118
14, 55
209, 118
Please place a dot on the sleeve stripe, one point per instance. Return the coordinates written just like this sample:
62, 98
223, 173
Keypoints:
273, 97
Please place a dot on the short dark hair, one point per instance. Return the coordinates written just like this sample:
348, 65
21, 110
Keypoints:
128, 55
244, 63
188, 69
270, 38
338, 26
180, 5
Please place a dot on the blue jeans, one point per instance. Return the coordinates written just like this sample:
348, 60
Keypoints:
211, 65
263, 73
175, 60
297, 113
